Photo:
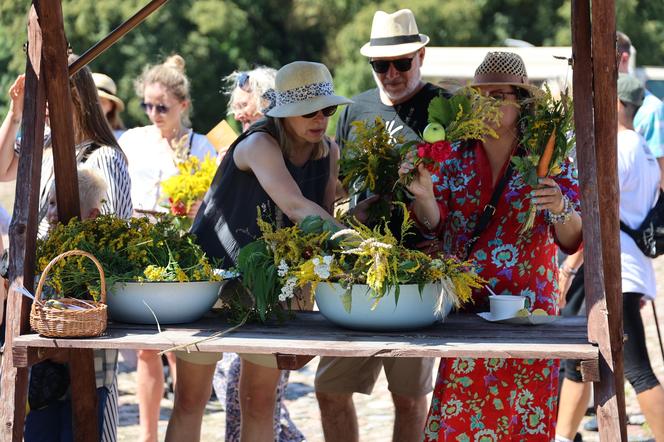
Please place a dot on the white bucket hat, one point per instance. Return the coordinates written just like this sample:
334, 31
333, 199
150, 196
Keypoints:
300, 88
106, 89
393, 35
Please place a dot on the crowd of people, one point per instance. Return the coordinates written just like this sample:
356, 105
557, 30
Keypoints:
286, 164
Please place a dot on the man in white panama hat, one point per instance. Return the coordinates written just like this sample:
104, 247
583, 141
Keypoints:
395, 52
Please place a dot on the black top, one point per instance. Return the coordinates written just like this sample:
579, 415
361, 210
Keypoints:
226, 220
408, 118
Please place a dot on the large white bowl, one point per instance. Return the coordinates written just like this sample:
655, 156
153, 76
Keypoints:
172, 302
414, 310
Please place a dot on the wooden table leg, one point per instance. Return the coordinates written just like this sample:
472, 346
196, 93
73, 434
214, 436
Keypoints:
83, 395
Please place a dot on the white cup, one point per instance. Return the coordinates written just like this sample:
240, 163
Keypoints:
506, 306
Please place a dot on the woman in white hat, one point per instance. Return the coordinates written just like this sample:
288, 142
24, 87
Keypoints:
287, 167
110, 102
499, 399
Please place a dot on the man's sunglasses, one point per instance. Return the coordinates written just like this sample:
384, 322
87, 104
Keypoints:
382, 66
160, 108
327, 112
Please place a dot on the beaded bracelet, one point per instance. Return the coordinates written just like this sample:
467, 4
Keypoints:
563, 216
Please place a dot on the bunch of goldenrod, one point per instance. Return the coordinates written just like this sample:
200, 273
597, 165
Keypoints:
190, 184
128, 250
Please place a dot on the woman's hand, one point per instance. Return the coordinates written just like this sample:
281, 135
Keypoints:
548, 196
421, 187
17, 95
361, 210
193, 210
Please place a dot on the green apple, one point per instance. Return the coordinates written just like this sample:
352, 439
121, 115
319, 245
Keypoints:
434, 132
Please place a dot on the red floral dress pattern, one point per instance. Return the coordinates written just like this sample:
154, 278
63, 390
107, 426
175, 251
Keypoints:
497, 399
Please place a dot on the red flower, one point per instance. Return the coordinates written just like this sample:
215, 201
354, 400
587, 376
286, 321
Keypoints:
178, 208
440, 151
424, 150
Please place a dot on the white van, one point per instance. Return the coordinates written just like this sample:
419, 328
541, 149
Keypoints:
455, 66
452, 67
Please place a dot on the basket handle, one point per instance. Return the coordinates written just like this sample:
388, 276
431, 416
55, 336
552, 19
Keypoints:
74, 252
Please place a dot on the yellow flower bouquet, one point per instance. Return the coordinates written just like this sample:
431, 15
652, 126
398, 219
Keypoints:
190, 184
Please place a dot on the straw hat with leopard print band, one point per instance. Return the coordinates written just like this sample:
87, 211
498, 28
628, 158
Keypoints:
393, 35
503, 68
300, 88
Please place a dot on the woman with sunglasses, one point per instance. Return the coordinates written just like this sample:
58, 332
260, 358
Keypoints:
246, 105
153, 152
498, 399
287, 167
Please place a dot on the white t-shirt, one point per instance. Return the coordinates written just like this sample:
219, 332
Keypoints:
638, 175
151, 161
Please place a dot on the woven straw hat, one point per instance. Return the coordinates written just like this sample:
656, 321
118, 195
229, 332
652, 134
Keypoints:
300, 88
393, 35
106, 89
500, 68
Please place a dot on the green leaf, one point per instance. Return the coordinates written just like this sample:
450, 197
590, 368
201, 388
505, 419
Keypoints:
347, 299
440, 111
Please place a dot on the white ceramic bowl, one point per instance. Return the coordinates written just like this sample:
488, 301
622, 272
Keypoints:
172, 302
411, 312
505, 306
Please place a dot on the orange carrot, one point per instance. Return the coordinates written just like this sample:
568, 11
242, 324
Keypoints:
545, 160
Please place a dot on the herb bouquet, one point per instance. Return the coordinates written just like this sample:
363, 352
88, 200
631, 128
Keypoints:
547, 140
467, 115
315, 252
130, 251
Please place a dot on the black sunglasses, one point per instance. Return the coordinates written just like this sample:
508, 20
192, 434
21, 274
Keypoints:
160, 108
401, 65
327, 112
242, 80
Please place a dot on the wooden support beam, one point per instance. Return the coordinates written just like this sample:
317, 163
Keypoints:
605, 76
596, 154
23, 235
115, 35
61, 115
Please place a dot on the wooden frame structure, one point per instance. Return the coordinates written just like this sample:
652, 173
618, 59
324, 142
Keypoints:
47, 74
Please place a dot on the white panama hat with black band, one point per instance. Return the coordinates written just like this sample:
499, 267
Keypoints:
393, 35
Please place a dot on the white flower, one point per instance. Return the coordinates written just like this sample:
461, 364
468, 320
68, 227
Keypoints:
282, 270
287, 289
322, 267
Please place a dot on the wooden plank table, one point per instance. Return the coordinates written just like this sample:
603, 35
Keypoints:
311, 334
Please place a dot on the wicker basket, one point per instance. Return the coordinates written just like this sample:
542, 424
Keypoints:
57, 323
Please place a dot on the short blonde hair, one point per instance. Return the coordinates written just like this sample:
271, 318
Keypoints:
91, 190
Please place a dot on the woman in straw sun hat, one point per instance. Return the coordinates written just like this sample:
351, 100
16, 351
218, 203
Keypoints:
285, 165
110, 102
499, 399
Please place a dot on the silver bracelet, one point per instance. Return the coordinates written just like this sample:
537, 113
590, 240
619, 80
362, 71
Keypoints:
563, 216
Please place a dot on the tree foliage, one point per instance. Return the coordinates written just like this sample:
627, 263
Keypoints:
215, 37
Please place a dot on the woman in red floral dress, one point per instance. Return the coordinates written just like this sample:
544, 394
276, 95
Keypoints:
498, 399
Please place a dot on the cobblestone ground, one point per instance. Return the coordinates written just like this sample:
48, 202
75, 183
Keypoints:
375, 411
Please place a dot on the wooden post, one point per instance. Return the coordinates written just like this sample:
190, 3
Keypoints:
115, 35
605, 76
61, 114
23, 235
596, 154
